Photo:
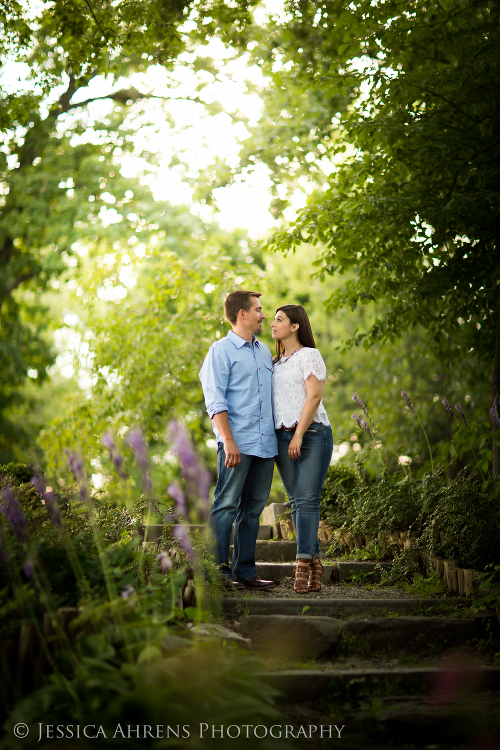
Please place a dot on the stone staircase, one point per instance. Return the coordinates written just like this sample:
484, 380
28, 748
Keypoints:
394, 670
397, 671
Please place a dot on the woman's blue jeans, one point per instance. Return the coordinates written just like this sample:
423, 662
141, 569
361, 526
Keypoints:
304, 480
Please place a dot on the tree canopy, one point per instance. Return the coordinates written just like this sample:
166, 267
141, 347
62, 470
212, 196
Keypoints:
412, 202
59, 163
385, 114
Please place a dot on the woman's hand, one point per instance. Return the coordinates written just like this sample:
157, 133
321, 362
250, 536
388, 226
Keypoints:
294, 447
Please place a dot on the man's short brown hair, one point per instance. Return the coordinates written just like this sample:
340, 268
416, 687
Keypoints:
236, 301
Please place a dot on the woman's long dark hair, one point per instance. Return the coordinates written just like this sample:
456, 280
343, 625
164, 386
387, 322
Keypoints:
297, 314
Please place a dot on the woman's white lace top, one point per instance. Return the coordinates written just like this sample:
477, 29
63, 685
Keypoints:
289, 386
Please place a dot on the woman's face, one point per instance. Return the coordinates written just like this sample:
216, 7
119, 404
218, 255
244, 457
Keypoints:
281, 327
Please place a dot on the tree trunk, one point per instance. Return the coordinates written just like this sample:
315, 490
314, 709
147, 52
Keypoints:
496, 365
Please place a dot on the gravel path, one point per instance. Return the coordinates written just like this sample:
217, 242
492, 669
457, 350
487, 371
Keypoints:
284, 590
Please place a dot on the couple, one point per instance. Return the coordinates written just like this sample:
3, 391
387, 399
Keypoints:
264, 410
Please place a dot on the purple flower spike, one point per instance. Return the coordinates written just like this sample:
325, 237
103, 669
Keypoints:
136, 442
48, 498
446, 405
109, 443
364, 425
197, 478
165, 561
76, 466
357, 399
405, 395
13, 512
459, 408
494, 414
29, 567
127, 591
180, 500
357, 419
182, 537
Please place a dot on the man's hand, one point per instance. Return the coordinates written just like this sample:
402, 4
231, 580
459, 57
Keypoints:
233, 456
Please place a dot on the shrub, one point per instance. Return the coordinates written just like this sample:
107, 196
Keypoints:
17, 473
122, 650
341, 481
462, 521
390, 504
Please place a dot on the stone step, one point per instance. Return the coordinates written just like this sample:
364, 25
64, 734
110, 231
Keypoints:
279, 552
336, 572
318, 683
275, 571
302, 636
462, 722
238, 606
153, 531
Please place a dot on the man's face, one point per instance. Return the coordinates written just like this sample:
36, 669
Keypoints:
254, 317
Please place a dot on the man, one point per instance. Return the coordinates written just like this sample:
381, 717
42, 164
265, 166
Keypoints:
236, 381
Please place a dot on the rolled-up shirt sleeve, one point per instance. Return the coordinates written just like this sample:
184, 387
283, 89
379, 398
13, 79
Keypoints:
214, 376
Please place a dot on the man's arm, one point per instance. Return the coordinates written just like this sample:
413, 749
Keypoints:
214, 376
233, 456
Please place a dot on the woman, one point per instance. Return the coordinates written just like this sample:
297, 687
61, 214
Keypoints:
304, 434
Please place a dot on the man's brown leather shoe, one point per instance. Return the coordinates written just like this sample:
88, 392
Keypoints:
257, 584
230, 585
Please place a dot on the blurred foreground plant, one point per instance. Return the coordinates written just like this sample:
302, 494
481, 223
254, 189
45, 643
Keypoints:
92, 624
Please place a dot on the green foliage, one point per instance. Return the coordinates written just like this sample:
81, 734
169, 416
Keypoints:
60, 161
462, 521
456, 519
17, 473
165, 685
368, 508
491, 580
425, 586
340, 481
362, 578
406, 565
120, 646
146, 351
412, 207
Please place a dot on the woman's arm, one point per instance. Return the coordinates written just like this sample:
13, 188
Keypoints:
314, 388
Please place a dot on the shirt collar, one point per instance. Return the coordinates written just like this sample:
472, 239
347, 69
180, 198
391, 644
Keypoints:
238, 341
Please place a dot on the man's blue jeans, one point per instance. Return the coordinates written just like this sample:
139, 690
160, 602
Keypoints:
304, 480
240, 496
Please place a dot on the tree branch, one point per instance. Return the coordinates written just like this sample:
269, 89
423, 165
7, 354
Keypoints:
440, 96
121, 96
6, 251
20, 280
97, 22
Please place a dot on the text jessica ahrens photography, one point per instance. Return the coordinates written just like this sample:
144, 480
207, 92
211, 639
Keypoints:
203, 731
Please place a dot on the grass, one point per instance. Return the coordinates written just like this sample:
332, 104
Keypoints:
425, 587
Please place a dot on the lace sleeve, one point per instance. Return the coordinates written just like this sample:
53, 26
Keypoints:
313, 364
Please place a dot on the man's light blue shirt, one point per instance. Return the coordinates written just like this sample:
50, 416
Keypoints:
236, 377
